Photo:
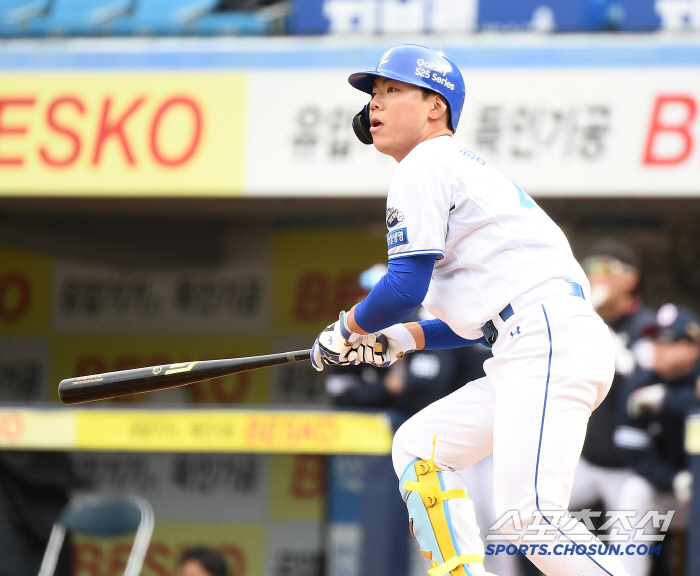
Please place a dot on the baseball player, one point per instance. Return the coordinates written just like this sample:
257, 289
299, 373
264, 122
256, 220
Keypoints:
492, 268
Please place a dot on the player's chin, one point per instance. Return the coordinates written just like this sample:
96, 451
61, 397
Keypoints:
381, 143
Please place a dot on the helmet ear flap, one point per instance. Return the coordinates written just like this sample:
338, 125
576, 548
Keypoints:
361, 126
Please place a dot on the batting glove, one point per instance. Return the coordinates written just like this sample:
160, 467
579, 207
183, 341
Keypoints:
384, 348
334, 344
646, 399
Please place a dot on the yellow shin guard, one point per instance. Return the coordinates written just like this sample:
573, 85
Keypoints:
422, 488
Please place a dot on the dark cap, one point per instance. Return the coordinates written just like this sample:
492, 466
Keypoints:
211, 560
617, 250
675, 323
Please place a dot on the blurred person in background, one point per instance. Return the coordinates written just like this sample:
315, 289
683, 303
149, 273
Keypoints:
651, 432
34, 489
401, 390
615, 273
202, 561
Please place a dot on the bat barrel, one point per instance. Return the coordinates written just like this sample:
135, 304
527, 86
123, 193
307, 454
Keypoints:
152, 378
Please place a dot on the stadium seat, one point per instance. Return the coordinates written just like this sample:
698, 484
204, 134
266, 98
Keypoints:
78, 17
162, 17
15, 15
103, 517
243, 23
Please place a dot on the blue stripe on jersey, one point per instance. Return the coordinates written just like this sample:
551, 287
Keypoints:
439, 253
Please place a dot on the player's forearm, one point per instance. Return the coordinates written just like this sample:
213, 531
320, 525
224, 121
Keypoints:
414, 328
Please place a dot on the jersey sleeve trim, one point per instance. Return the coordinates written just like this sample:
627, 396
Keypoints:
439, 254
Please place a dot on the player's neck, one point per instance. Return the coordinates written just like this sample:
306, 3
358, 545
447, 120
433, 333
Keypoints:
429, 135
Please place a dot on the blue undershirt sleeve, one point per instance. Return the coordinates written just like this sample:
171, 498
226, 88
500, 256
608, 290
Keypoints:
400, 291
439, 335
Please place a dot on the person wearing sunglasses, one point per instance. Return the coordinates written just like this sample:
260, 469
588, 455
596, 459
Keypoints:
614, 270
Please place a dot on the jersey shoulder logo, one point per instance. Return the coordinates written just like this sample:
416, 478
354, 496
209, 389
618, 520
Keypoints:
393, 217
396, 238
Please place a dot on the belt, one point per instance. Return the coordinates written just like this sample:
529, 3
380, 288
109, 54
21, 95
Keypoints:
489, 329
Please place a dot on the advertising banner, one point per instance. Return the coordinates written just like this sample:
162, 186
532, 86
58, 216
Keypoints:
435, 16
192, 430
24, 369
84, 355
560, 121
93, 299
556, 132
263, 513
126, 133
295, 384
315, 151
25, 280
311, 284
243, 545
183, 487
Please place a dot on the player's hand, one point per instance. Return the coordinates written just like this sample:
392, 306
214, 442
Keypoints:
384, 348
646, 399
334, 344
683, 487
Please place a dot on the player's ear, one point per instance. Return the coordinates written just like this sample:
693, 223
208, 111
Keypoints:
438, 108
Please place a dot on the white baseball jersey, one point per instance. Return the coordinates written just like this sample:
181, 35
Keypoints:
491, 241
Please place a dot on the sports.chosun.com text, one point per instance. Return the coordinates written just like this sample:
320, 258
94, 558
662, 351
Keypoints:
574, 549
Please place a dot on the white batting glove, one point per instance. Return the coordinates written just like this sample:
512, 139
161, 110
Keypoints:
647, 399
334, 344
683, 487
384, 348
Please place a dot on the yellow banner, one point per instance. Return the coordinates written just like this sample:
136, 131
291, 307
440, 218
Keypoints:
84, 355
127, 134
315, 275
25, 287
190, 430
42, 429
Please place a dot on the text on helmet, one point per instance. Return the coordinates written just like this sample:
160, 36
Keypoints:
435, 78
441, 68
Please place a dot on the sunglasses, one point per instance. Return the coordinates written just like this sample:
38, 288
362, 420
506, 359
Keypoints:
605, 265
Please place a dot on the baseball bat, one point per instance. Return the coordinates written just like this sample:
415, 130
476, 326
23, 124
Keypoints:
126, 382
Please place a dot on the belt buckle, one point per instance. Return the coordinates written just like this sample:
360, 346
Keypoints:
490, 332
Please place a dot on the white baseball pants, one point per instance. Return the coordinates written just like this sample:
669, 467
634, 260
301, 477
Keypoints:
619, 489
553, 365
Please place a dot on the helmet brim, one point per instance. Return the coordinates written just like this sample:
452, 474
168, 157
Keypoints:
364, 81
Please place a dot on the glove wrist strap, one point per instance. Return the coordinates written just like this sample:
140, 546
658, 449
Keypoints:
343, 325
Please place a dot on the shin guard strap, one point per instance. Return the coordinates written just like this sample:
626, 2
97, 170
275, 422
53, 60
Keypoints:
433, 493
455, 562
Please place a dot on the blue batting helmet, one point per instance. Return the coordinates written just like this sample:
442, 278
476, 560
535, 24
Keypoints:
420, 67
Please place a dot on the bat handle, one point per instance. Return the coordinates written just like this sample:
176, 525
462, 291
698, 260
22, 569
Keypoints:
381, 345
